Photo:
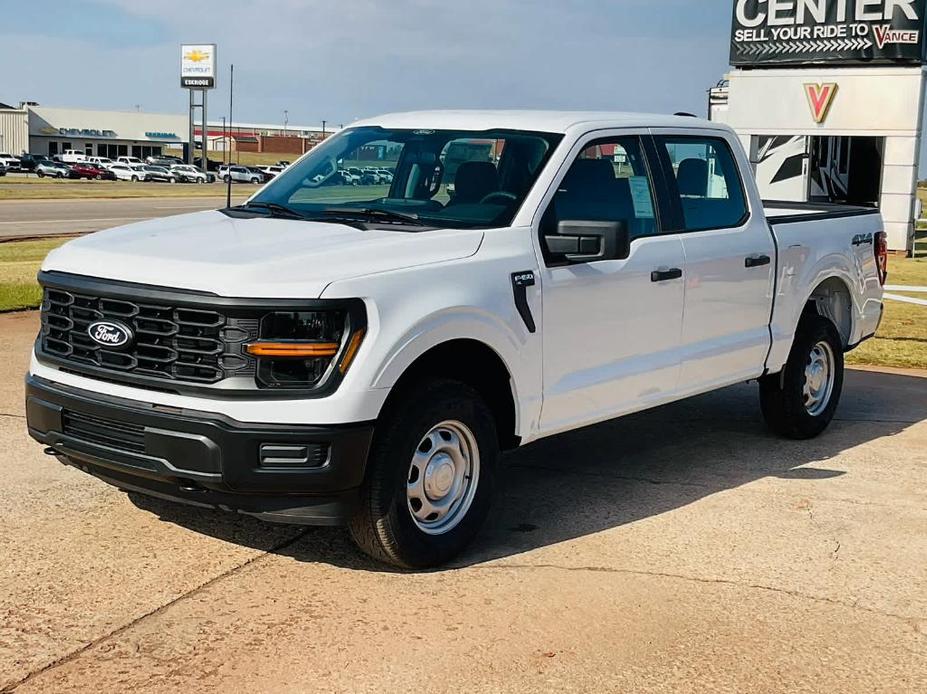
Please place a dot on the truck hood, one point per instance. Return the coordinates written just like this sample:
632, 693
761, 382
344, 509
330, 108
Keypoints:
252, 258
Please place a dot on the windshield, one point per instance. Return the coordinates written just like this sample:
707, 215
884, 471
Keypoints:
442, 178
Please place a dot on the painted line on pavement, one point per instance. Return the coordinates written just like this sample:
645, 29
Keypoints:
906, 300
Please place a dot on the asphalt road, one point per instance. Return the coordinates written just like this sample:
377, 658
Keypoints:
29, 218
680, 550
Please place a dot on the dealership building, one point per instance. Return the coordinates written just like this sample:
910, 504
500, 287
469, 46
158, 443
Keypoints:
828, 99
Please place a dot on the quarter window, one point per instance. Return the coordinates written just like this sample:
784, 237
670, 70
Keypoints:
708, 184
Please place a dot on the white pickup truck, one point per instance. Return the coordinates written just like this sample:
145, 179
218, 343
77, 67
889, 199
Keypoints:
338, 354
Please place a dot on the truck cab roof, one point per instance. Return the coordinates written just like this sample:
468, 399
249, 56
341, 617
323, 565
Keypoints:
538, 121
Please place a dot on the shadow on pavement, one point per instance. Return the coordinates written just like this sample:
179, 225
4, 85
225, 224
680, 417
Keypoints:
620, 472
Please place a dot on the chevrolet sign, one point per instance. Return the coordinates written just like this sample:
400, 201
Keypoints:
198, 66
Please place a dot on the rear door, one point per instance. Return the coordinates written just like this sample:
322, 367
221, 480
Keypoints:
730, 259
611, 332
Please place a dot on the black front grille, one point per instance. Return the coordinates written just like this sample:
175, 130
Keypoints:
104, 432
171, 342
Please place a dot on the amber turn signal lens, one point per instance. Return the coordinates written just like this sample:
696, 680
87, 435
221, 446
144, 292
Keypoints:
296, 350
351, 351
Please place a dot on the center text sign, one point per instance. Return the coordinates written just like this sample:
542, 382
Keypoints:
800, 32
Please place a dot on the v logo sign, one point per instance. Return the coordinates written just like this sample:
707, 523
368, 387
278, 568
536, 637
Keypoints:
820, 97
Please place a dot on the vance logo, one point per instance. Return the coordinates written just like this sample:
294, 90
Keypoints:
820, 98
885, 35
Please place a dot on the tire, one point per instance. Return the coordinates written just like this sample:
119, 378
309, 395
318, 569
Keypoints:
99, 177
385, 525
816, 363
172, 180
255, 181
226, 179
134, 179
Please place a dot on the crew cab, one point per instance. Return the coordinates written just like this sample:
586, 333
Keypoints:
333, 354
73, 156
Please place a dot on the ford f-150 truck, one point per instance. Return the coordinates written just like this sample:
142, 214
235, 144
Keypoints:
360, 355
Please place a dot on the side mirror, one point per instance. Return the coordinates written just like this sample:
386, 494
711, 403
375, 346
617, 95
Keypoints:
584, 241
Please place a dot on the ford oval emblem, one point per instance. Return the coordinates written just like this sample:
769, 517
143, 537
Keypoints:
110, 334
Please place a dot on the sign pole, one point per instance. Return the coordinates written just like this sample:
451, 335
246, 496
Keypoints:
190, 137
205, 136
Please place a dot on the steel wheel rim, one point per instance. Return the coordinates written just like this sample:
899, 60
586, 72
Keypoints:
820, 376
443, 477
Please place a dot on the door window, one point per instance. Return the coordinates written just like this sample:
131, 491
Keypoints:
608, 182
708, 183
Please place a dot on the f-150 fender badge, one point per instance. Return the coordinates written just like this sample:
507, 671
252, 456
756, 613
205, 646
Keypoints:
863, 240
520, 283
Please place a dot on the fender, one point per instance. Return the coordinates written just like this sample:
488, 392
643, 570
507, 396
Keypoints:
470, 324
797, 288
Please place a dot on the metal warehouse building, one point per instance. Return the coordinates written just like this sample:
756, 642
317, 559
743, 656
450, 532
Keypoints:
14, 129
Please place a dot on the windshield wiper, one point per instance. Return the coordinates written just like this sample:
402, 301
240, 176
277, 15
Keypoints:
373, 214
275, 209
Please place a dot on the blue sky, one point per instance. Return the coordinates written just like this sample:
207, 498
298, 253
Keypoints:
355, 58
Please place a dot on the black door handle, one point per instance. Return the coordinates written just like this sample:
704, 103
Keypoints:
757, 261
665, 275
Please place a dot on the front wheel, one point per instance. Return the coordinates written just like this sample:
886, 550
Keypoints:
430, 477
40, 174
255, 181
800, 401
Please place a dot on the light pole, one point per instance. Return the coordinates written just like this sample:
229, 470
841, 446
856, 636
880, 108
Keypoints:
225, 142
286, 121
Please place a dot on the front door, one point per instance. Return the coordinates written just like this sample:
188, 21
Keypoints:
611, 328
730, 261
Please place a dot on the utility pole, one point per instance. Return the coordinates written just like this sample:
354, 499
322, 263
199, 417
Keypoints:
286, 120
323, 128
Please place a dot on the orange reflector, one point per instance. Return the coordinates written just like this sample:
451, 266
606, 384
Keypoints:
351, 351
299, 350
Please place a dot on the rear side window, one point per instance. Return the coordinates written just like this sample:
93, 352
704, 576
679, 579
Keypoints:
708, 183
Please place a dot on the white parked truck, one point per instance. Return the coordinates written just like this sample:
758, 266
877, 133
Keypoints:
318, 355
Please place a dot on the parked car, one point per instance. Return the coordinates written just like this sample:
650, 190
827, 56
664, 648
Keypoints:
72, 156
101, 162
188, 174
164, 160
240, 174
372, 379
159, 173
53, 169
88, 171
271, 172
9, 161
347, 177
127, 172
132, 161
29, 162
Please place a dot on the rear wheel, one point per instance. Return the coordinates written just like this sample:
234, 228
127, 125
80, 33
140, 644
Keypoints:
430, 477
40, 174
255, 181
800, 401
134, 179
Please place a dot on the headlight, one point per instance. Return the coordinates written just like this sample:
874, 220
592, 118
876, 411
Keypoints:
307, 349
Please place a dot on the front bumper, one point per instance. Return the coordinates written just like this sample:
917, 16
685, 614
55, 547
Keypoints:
291, 474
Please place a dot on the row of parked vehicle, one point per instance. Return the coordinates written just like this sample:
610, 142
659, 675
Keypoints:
75, 165
367, 176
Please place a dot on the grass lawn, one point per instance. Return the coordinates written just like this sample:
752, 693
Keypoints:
19, 263
901, 342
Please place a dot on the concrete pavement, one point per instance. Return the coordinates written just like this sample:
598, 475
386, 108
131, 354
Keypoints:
27, 218
681, 550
